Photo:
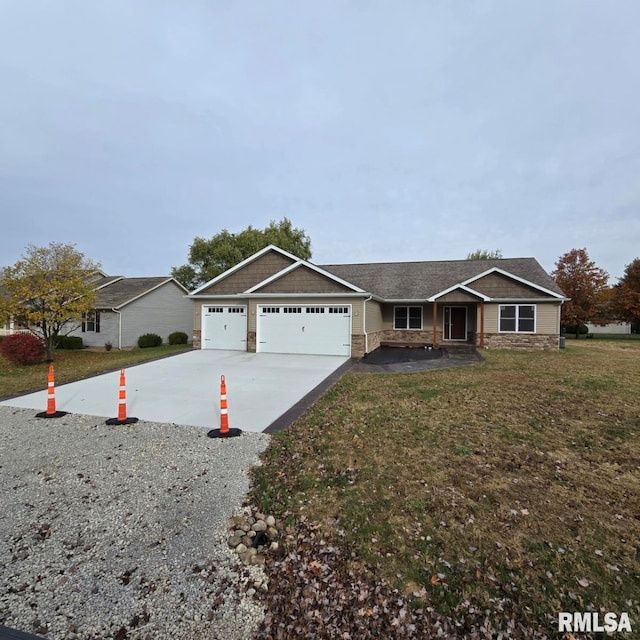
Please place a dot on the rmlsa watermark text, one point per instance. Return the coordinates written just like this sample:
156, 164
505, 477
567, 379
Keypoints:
593, 621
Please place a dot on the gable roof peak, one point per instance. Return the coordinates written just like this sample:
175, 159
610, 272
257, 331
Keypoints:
243, 263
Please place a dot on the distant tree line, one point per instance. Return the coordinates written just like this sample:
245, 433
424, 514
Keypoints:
592, 299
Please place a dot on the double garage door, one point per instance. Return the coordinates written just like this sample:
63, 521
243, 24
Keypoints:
302, 329
314, 329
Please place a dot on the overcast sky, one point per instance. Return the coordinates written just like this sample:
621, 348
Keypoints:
388, 130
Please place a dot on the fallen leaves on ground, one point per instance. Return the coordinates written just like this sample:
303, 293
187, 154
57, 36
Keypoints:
321, 591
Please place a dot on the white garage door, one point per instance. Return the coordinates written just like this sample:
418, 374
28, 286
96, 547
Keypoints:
224, 327
310, 329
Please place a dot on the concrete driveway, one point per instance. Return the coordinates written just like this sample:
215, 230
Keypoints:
185, 389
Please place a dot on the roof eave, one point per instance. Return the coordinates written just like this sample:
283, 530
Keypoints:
140, 295
222, 296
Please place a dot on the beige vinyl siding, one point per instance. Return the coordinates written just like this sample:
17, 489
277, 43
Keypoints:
547, 317
373, 316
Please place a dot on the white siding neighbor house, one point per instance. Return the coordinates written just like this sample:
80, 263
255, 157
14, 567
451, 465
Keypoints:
127, 308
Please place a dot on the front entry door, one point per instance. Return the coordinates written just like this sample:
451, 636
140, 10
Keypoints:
455, 323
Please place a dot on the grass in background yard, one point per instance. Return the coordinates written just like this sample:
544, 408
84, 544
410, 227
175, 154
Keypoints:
74, 365
518, 478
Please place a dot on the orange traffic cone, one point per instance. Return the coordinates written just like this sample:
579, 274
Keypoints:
51, 399
224, 431
122, 405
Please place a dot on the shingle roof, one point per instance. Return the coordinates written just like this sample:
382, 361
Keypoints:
421, 280
124, 290
106, 280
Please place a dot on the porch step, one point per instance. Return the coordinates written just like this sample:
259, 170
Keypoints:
407, 345
458, 348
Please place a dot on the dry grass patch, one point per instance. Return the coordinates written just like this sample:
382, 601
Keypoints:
515, 481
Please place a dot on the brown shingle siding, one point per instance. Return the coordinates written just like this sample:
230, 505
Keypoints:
304, 280
250, 275
496, 285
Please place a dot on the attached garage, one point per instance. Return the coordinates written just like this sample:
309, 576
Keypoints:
224, 327
304, 329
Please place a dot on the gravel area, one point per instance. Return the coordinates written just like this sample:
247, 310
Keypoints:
121, 531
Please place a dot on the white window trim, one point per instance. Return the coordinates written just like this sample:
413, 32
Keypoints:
517, 306
407, 307
95, 314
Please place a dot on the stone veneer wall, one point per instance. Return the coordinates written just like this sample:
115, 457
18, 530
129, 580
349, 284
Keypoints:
357, 346
251, 341
373, 340
531, 342
197, 339
417, 337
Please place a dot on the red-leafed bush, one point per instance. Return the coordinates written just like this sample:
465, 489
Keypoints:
22, 348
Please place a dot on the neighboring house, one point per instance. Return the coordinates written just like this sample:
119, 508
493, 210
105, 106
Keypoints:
11, 327
126, 308
275, 302
614, 327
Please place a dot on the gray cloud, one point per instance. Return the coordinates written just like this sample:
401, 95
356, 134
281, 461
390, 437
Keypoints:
389, 131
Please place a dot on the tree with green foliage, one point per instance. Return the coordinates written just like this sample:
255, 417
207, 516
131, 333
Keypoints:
626, 294
483, 254
584, 283
49, 290
209, 258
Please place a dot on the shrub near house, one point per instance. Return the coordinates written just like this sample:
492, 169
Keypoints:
149, 340
178, 337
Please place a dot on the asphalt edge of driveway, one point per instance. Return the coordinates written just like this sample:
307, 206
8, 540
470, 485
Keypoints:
288, 417
8, 633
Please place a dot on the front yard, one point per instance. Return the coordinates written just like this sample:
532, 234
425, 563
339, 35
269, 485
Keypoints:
510, 488
75, 365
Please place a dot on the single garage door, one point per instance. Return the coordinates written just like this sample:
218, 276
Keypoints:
309, 329
224, 327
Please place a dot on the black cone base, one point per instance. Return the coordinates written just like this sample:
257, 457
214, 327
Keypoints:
232, 433
125, 421
57, 414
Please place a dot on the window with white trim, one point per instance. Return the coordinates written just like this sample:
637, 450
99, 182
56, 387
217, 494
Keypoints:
315, 310
236, 310
270, 309
292, 309
215, 309
517, 318
91, 322
407, 317
341, 310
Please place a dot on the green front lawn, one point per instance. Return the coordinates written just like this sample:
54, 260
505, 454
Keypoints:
75, 365
516, 480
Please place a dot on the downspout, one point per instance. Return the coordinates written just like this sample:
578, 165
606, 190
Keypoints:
364, 324
435, 324
119, 328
